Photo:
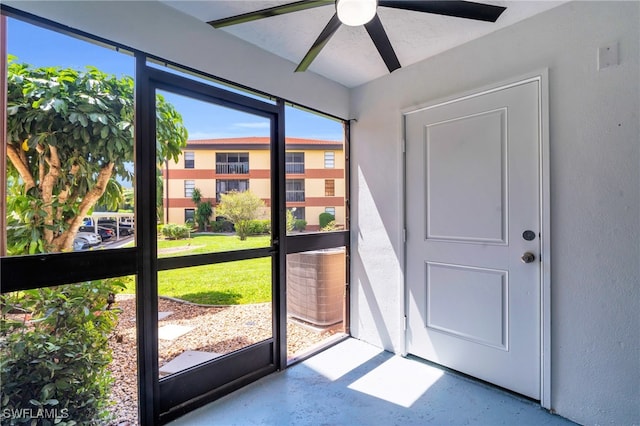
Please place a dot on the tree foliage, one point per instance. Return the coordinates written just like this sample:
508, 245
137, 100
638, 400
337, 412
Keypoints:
240, 208
70, 135
57, 357
204, 210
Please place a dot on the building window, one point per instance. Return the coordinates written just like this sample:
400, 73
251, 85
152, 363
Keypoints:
294, 162
189, 159
224, 186
329, 159
189, 185
329, 187
331, 211
189, 215
297, 212
232, 163
295, 190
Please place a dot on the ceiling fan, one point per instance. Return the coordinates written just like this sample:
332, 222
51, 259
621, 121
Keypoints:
364, 12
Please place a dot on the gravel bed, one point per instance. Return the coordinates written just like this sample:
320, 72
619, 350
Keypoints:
219, 329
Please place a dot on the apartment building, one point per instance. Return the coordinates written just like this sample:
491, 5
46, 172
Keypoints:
315, 173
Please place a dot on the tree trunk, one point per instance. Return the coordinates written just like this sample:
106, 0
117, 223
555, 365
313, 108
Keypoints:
64, 242
21, 167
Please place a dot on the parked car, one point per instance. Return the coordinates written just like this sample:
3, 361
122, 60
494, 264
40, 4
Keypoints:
124, 230
104, 232
86, 239
80, 244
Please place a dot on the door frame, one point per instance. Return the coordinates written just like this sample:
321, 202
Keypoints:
177, 394
541, 77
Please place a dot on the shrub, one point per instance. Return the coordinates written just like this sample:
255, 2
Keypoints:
331, 226
259, 227
221, 226
191, 224
300, 225
171, 231
59, 360
325, 218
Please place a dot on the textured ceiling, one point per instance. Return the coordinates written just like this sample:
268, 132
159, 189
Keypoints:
350, 58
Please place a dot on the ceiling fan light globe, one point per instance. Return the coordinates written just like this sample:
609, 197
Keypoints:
356, 12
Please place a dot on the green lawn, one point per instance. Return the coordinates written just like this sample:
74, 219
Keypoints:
231, 283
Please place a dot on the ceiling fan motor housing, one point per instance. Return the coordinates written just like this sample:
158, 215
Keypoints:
356, 12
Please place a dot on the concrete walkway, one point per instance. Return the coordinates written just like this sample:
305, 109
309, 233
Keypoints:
354, 383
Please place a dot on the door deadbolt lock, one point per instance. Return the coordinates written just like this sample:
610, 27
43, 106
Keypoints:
528, 257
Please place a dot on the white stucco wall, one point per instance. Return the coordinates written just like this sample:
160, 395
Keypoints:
595, 194
158, 29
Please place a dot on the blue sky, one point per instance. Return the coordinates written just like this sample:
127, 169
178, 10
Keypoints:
41, 47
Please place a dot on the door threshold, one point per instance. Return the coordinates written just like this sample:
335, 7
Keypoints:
475, 380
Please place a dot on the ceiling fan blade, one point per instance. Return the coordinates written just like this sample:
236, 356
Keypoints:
271, 11
379, 36
320, 42
459, 9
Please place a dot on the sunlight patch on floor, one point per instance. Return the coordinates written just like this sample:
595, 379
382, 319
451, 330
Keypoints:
334, 363
398, 380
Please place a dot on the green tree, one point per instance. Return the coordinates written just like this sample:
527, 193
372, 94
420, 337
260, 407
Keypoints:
204, 210
70, 135
126, 205
240, 208
290, 224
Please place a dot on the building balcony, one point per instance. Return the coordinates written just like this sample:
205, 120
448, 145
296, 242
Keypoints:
232, 168
294, 168
295, 196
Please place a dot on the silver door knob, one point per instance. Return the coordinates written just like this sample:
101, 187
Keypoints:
528, 257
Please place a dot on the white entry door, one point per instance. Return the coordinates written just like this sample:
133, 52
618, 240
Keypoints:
473, 236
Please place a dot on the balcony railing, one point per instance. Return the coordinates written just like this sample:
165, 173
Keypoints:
294, 168
232, 168
295, 196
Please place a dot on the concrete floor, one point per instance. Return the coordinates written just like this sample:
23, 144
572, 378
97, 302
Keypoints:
354, 383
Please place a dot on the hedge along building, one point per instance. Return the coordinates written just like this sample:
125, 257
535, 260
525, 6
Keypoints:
315, 178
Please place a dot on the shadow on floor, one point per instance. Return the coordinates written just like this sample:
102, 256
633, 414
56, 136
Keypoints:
354, 383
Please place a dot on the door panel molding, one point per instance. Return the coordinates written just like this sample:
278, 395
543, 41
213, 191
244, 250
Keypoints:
440, 165
451, 321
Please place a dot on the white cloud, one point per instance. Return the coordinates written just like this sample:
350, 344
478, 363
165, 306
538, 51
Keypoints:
253, 125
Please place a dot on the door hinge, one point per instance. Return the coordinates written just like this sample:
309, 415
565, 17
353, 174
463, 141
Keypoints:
404, 323
404, 146
404, 235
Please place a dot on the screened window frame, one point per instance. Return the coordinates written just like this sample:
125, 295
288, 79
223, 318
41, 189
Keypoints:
26, 272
